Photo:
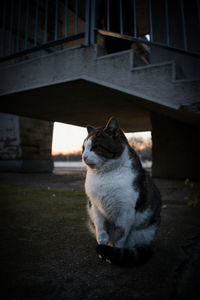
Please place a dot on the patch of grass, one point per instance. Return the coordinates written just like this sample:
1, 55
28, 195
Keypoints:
41, 202
191, 189
16, 190
36, 223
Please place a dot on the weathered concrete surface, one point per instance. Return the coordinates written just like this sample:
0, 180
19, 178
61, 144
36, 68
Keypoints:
150, 82
79, 103
64, 86
25, 144
36, 138
189, 66
47, 252
10, 147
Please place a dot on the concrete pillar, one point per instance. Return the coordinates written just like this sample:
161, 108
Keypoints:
175, 149
25, 144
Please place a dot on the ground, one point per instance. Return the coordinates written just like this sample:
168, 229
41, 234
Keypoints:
47, 253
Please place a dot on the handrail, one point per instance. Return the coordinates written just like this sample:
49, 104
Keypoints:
27, 26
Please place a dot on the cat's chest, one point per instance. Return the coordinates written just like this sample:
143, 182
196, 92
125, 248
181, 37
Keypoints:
113, 187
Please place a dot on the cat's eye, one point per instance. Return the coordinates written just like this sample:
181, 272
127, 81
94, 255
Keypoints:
103, 150
96, 148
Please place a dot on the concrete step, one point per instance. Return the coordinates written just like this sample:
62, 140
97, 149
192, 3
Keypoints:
155, 83
162, 85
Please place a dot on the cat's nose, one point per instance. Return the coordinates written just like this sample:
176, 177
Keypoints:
84, 157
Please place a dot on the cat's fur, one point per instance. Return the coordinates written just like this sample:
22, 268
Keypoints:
123, 202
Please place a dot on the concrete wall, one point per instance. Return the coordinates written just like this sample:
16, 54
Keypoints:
10, 147
176, 148
36, 138
25, 144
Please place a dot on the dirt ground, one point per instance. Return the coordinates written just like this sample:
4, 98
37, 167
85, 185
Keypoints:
46, 251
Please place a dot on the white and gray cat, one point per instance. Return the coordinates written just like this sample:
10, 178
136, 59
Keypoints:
123, 202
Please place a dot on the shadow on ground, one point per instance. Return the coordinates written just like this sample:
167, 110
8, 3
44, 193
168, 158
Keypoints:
46, 251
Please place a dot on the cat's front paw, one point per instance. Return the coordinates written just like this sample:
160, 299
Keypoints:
102, 239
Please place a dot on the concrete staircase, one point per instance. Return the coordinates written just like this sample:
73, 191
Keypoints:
155, 85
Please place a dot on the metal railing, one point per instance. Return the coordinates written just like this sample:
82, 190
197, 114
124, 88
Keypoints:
31, 25
167, 23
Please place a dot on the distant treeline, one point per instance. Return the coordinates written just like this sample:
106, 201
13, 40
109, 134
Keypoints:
141, 146
76, 156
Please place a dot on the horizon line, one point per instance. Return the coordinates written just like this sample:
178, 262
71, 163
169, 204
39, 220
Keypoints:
78, 152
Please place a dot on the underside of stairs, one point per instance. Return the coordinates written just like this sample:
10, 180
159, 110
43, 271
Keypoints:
76, 84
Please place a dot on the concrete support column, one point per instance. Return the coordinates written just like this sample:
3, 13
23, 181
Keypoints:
175, 149
25, 144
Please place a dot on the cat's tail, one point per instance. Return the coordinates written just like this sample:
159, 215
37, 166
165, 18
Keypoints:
125, 257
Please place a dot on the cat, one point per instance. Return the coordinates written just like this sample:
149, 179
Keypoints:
124, 204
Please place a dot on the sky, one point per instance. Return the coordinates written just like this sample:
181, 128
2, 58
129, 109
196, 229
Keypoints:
68, 138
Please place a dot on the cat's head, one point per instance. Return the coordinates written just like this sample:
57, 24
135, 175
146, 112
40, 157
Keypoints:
103, 145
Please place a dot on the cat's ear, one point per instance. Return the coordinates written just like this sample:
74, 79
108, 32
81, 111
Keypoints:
112, 126
89, 128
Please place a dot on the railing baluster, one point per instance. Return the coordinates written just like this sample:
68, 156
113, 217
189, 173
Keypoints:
36, 23
26, 24
198, 10
45, 21
87, 21
66, 17
108, 16
121, 17
135, 19
76, 17
11, 27
56, 22
17, 15
150, 21
183, 25
167, 22
93, 20
18, 25
3, 28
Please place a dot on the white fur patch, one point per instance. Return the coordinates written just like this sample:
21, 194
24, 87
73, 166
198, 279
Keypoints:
88, 144
111, 192
142, 217
90, 158
110, 187
142, 237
